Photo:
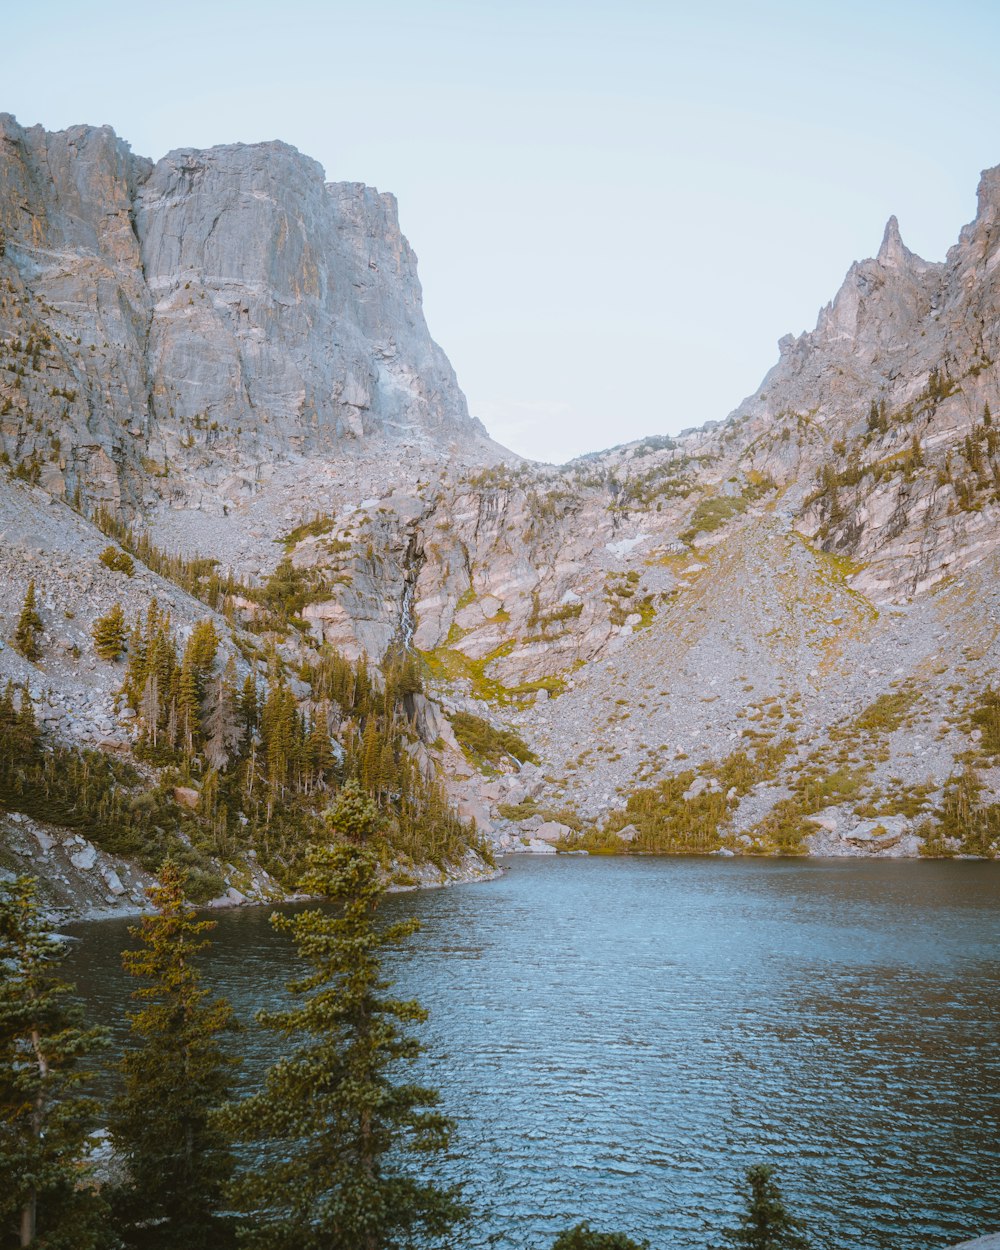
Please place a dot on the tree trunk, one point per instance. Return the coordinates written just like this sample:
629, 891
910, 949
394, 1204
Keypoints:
28, 1221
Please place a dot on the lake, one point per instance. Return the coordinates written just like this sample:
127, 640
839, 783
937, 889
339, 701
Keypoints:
619, 1038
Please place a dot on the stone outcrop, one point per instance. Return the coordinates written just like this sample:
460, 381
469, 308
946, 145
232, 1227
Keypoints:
187, 324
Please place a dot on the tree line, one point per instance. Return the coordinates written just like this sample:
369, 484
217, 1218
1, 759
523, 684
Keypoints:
263, 752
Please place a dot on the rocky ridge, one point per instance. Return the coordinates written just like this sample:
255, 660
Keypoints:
180, 328
792, 613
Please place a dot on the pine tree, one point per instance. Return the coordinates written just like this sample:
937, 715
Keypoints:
766, 1224
29, 626
282, 738
221, 727
188, 701
176, 1074
334, 1121
201, 649
320, 752
44, 1119
135, 669
370, 757
149, 707
248, 706
109, 633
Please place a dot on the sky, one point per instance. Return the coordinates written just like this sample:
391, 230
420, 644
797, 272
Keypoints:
618, 207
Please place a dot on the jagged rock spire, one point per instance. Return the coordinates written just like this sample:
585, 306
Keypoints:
893, 251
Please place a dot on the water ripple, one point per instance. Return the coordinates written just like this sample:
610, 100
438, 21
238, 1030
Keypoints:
619, 1039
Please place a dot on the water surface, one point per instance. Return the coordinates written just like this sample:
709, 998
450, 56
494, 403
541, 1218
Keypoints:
619, 1038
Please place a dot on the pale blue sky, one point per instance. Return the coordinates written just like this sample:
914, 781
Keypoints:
618, 207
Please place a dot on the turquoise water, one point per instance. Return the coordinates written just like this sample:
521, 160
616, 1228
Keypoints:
619, 1038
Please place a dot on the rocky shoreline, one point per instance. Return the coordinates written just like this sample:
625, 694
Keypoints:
83, 883
80, 882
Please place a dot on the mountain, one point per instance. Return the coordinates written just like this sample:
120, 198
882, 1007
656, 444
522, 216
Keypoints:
214, 313
775, 633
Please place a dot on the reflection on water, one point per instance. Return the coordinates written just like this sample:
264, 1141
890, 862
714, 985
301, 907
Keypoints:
618, 1039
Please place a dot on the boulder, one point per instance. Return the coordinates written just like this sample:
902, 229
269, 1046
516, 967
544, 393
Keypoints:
535, 846
85, 858
553, 831
701, 785
112, 881
44, 840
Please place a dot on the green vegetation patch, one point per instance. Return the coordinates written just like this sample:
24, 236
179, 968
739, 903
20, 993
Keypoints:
315, 528
98, 796
899, 800
485, 744
711, 514
667, 822
117, 561
888, 713
985, 716
670, 824
448, 664
619, 594
784, 828
286, 592
544, 624
963, 824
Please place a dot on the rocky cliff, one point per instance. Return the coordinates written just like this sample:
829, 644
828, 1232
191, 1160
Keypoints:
178, 329
778, 632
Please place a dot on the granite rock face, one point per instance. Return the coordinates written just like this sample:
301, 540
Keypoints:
186, 324
287, 305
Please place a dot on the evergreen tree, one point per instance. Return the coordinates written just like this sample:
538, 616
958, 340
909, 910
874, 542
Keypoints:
44, 1119
334, 1121
221, 726
766, 1224
109, 634
283, 739
29, 626
176, 1074
188, 704
320, 753
199, 654
248, 706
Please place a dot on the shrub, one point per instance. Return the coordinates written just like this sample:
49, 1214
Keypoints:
109, 633
117, 561
986, 716
712, 514
887, 713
